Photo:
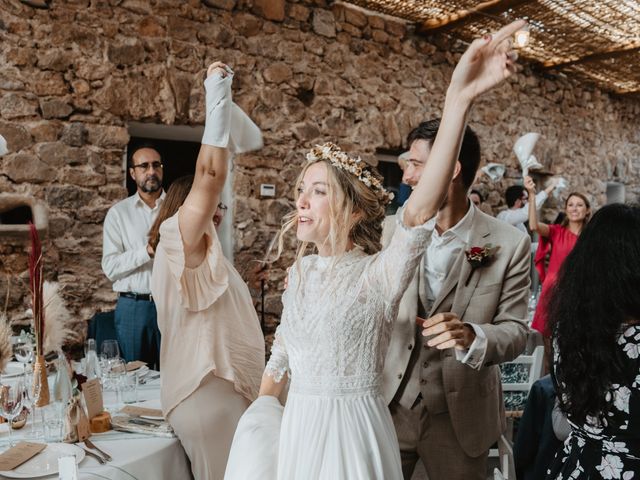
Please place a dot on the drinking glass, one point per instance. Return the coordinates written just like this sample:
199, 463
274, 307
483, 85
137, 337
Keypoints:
129, 387
110, 349
53, 414
23, 351
112, 379
11, 398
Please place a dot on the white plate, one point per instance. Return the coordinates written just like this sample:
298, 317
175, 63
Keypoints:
13, 369
155, 403
46, 462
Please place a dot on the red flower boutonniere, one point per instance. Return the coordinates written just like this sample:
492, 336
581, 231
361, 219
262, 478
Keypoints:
479, 257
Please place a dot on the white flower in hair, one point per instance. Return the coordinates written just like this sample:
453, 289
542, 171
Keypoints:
354, 165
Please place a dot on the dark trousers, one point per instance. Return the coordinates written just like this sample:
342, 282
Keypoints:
137, 331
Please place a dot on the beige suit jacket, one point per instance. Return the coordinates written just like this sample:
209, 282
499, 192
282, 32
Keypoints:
495, 299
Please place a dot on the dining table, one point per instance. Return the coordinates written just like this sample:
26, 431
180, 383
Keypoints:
135, 456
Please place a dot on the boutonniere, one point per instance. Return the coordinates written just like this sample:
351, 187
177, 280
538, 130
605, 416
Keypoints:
479, 257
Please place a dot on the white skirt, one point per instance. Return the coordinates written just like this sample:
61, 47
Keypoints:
343, 437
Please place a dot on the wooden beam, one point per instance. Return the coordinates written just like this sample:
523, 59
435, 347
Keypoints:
594, 57
461, 17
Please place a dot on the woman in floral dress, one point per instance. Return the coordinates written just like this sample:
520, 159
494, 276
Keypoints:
595, 319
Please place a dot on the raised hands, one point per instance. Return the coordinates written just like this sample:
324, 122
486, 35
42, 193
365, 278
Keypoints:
529, 185
486, 63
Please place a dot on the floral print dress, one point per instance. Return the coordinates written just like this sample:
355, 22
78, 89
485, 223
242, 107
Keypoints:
608, 449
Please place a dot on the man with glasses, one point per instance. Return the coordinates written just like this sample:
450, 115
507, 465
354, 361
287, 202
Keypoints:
127, 258
518, 208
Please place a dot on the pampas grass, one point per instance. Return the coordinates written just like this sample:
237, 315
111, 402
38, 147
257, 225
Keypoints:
58, 327
6, 351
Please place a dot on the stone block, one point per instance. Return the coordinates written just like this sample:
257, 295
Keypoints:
24, 167
45, 131
270, 9
247, 25
68, 196
223, 4
299, 12
107, 136
376, 22
397, 29
324, 23
355, 17
55, 59
13, 106
277, 73
126, 51
57, 154
182, 28
305, 131
216, 34
55, 108
44, 83
379, 36
149, 27
17, 136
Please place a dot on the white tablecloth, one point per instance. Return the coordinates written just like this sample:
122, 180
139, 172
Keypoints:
135, 456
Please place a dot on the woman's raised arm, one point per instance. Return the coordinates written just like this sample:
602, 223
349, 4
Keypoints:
534, 224
486, 63
200, 205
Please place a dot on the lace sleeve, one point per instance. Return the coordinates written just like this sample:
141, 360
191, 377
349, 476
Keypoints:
392, 269
278, 363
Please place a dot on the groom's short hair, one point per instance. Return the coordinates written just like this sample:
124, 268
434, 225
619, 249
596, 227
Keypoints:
469, 156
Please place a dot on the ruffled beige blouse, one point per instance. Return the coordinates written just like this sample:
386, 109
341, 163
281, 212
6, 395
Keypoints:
207, 320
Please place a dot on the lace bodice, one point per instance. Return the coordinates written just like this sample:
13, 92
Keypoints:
338, 315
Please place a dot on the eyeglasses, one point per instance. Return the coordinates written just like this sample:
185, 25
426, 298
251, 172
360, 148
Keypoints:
222, 207
143, 167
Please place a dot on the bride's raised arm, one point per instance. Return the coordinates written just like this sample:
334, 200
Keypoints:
486, 63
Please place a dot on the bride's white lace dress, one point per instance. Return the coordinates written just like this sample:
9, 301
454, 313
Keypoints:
332, 340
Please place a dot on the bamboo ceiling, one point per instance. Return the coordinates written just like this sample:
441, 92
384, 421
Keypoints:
595, 39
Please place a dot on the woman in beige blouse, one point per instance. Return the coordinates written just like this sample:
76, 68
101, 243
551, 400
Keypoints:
212, 350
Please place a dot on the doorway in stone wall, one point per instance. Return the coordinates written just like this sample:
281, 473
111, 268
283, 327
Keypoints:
390, 170
178, 146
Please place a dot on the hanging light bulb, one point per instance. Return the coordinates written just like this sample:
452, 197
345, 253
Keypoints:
522, 37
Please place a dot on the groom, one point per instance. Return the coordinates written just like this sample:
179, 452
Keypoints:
441, 376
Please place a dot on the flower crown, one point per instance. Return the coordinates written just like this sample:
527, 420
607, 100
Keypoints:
354, 165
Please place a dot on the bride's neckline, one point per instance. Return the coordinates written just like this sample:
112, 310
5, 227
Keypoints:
353, 254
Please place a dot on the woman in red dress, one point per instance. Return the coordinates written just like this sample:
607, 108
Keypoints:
560, 238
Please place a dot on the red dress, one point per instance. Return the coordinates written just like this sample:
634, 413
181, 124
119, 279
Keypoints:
561, 240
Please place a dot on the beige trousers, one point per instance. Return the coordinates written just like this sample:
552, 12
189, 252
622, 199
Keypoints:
431, 438
205, 423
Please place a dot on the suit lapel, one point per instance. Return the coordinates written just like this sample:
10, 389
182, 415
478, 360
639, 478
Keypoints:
461, 271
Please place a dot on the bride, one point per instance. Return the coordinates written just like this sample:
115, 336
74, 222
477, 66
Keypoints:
340, 303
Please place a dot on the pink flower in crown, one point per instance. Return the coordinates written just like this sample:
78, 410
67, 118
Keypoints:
479, 257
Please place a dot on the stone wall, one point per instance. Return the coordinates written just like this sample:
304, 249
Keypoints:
74, 75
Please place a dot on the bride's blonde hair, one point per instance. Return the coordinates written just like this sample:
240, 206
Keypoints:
356, 211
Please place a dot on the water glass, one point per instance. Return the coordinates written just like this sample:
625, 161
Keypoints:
113, 374
53, 421
129, 387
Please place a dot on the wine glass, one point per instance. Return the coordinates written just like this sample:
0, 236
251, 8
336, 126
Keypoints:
11, 398
23, 351
110, 349
29, 399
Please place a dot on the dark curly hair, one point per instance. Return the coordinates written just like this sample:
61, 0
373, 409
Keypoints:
595, 296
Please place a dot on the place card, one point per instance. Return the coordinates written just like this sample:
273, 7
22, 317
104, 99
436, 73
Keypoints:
92, 391
20, 453
67, 468
134, 411
131, 366
135, 365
